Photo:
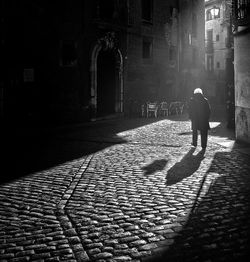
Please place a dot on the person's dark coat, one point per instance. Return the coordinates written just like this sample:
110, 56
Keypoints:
199, 112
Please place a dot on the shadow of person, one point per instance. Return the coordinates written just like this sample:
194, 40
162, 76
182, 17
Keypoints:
205, 236
157, 165
185, 168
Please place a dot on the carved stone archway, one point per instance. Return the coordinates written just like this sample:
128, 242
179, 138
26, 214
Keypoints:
108, 42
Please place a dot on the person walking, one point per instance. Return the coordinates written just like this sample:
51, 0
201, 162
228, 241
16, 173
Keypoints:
199, 114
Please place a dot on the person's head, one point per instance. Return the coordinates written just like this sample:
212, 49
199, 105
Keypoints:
198, 91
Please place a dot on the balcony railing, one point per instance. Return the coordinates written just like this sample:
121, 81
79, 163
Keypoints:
241, 12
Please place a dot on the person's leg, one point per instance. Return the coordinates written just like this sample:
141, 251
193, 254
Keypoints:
204, 138
194, 137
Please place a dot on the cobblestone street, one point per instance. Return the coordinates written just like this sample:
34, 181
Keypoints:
126, 190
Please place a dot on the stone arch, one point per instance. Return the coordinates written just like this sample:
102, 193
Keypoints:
103, 44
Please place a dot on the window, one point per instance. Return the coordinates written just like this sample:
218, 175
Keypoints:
217, 37
210, 35
218, 64
209, 41
147, 48
208, 15
147, 10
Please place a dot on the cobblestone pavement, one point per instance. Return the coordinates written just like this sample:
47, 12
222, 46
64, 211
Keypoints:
136, 191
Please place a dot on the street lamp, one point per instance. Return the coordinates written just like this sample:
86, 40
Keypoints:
215, 11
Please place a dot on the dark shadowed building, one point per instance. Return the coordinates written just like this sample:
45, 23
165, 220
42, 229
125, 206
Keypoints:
82, 60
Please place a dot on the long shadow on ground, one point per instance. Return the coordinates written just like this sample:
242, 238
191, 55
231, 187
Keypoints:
185, 168
218, 228
157, 165
29, 150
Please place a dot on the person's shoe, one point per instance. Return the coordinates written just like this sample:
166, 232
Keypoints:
194, 145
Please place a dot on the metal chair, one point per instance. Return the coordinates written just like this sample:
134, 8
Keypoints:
152, 108
176, 107
164, 108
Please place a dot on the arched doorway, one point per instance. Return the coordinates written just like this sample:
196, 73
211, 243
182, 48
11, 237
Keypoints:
106, 83
106, 78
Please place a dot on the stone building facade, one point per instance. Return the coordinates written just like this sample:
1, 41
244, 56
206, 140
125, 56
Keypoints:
191, 47
152, 54
52, 53
219, 48
84, 60
241, 24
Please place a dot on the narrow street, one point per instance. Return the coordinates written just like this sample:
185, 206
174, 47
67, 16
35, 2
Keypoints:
125, 190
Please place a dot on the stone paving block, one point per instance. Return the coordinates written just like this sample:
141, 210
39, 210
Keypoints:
119, 203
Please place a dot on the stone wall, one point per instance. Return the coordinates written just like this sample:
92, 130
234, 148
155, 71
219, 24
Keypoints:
45, 83
191, 64
242, 85
151, 78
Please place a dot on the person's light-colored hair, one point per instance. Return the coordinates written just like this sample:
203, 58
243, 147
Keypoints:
198, 91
